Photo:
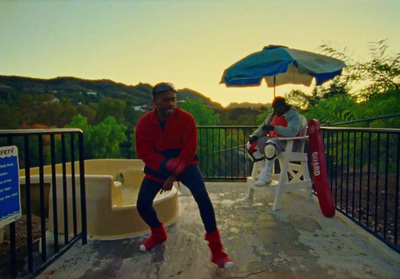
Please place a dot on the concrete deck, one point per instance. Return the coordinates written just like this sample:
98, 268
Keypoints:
295, 242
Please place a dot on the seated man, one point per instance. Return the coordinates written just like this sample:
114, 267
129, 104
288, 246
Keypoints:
283, 122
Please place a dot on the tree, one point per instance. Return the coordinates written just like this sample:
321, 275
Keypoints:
88, 111
298, 99
261, 117
132, 116
110, 107
65, 112
382, 104
304, 101
25, 109
52, 112
102, 140
7, 118
42, 109
201, 114
338, 108
381, 74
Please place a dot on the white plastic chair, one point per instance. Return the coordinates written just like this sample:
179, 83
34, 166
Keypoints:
294, 173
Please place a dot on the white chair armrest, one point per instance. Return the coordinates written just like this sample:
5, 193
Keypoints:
293, 138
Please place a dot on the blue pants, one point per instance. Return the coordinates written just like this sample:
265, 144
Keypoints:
192, 179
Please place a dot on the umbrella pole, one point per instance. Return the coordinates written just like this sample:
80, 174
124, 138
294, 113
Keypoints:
274, 85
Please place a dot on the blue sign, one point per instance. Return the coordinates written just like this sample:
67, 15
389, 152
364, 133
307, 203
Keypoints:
10, 202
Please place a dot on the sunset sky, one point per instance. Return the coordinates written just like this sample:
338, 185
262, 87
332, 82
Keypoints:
187, 42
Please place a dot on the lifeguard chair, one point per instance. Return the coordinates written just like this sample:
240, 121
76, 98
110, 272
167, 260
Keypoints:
293, 171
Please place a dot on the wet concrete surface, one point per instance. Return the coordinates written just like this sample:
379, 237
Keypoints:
295, 242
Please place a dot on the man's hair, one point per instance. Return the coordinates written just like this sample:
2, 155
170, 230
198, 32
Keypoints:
163, 87
280, 101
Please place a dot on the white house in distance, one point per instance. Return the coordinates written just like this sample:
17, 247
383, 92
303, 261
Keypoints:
91, 93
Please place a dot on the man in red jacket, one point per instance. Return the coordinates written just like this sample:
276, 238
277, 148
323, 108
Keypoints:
166, 141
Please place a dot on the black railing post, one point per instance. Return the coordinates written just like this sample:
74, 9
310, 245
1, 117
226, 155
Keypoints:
13, 242
83, 191
377, 181
386, 187
54, 192
396, 204
28, 205
65, 192
360, 178
73, 183
42, 199
369, 179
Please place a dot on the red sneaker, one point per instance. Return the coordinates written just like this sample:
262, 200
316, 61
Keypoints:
158, 236
218, 256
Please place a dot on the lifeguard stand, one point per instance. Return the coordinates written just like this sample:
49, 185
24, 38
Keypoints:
293, 164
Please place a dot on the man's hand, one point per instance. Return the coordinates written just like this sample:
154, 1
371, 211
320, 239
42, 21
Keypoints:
253, 139
267, 128
176, 166
167, 185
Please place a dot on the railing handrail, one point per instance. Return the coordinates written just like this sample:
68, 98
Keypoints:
362, 120
40, 131
362, 129
350, 129
227, 126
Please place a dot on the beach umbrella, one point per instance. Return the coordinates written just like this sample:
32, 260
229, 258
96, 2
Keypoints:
279, 65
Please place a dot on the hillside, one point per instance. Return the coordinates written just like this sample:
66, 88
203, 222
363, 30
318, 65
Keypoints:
247, 105
85, 91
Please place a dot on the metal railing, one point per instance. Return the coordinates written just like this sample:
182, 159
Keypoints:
222, 153
38, 148
363, 167
364, 120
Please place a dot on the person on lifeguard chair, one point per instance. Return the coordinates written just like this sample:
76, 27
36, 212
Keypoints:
264, 144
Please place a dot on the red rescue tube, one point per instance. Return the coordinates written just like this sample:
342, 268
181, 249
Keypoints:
320, 173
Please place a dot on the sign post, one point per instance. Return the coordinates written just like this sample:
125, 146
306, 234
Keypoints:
10, 202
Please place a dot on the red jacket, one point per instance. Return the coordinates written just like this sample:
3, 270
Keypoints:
155, 144
277, 121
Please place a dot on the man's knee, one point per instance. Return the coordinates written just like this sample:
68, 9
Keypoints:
270, 151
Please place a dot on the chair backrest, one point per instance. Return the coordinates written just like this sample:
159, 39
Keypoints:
304, 123
302, 132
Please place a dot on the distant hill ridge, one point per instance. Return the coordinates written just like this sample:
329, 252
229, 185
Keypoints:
247, 105
95, 90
